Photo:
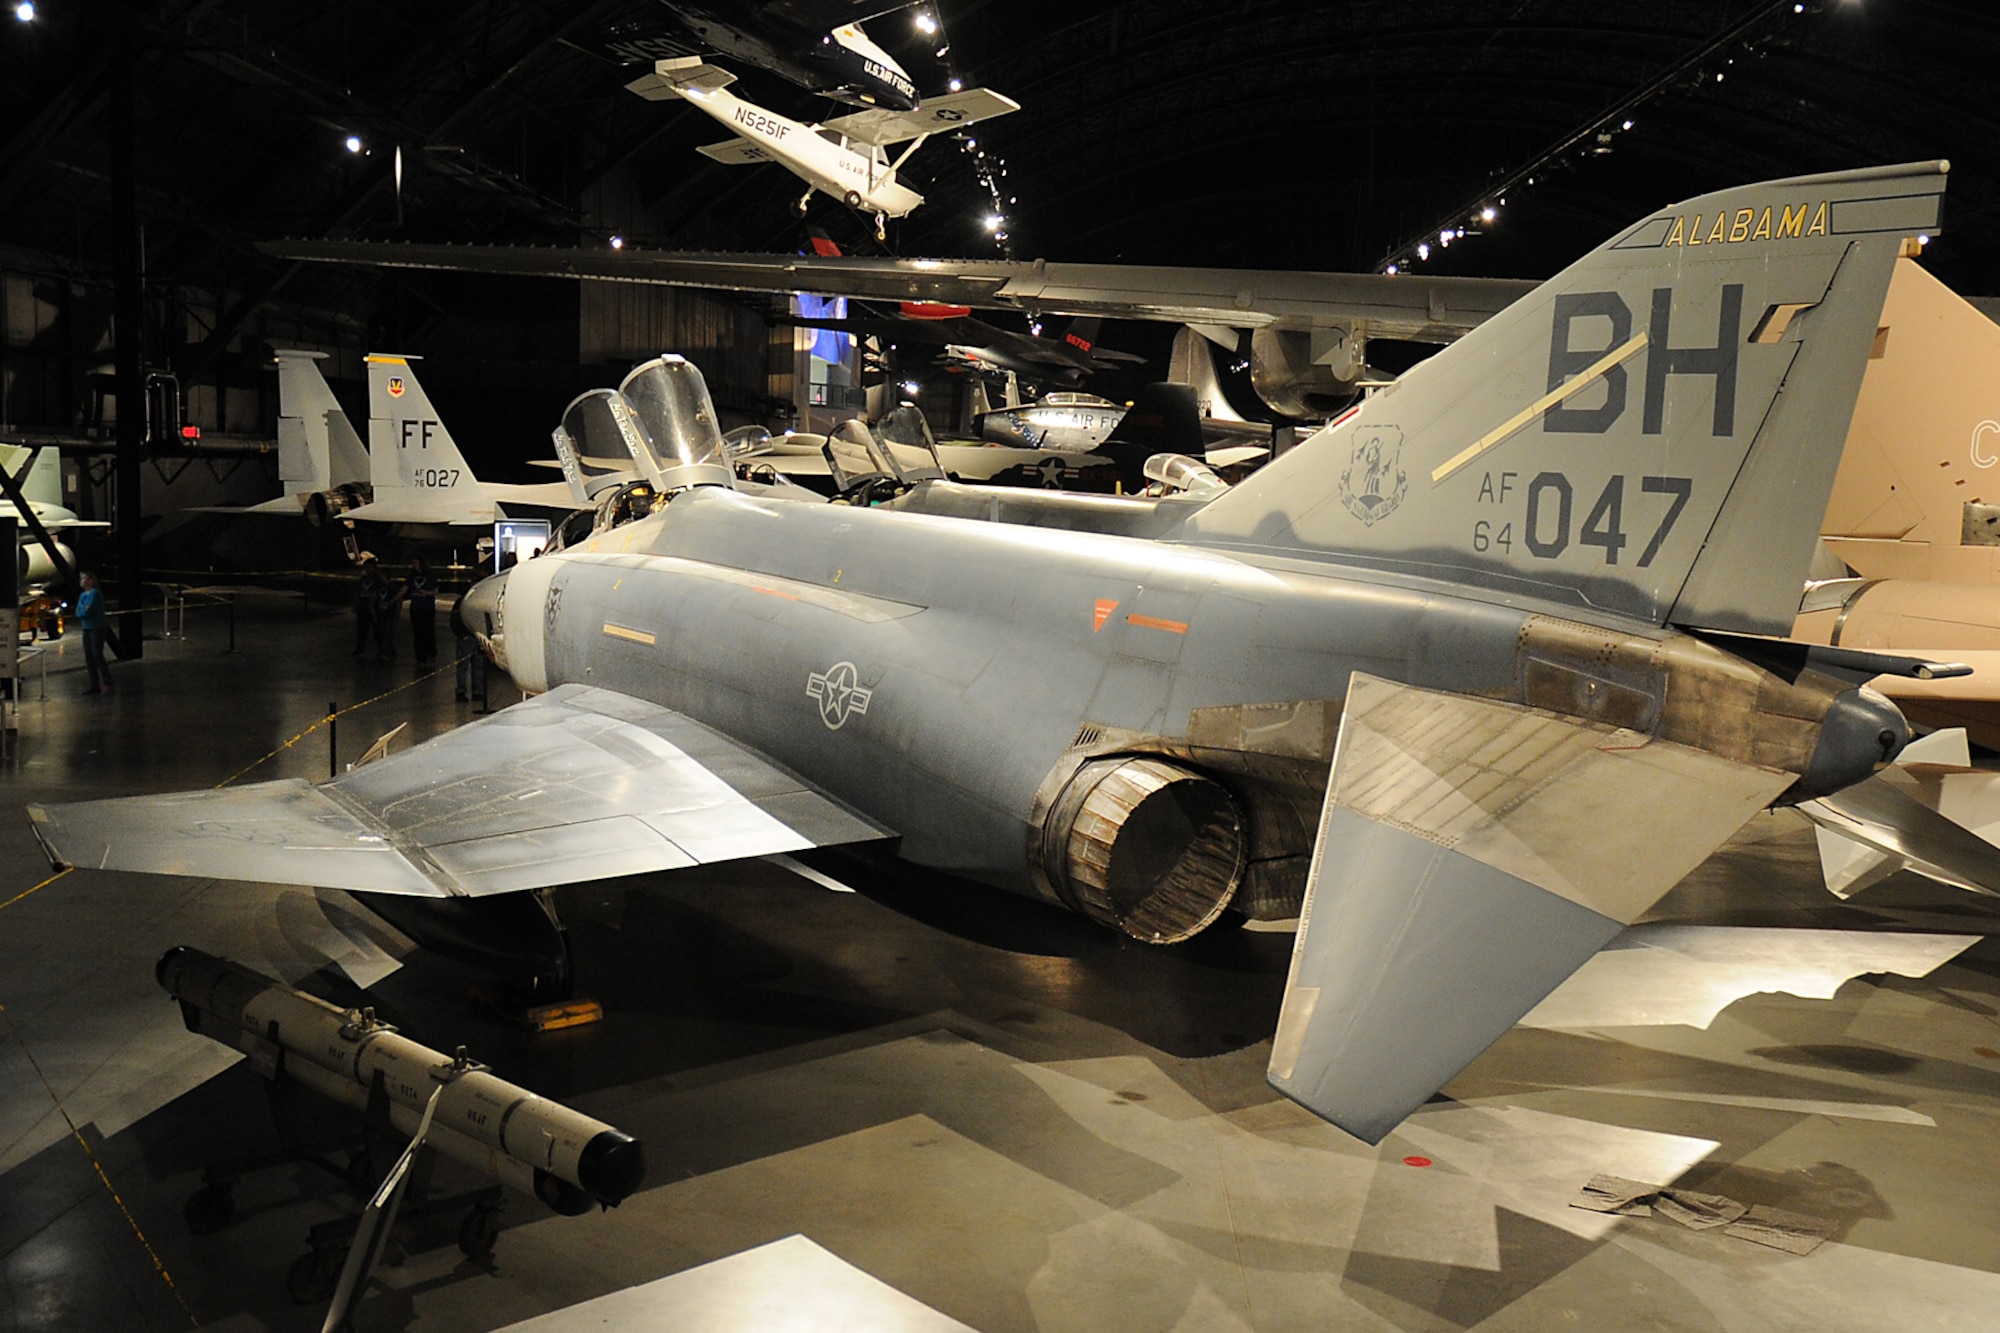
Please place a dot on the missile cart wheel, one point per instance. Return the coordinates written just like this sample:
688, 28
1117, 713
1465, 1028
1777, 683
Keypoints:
209, 1209
477, 1233
313, 1275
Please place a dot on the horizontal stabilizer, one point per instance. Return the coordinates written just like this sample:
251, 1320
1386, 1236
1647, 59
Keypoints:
939, 115
679, 76
1471, 855
576, 784
1930, 812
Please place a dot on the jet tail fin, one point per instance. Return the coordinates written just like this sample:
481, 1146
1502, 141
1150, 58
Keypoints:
409, 448
1163, 419
1193, 364
1448, 895
318, 447
1653, 432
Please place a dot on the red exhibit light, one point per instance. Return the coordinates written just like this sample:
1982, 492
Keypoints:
190, 432
934, 310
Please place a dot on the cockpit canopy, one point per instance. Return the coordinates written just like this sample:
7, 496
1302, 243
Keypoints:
598, 444
675, 418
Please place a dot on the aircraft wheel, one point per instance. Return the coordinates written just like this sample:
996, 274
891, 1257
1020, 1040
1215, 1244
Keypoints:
852, 198
881, 230
804, 203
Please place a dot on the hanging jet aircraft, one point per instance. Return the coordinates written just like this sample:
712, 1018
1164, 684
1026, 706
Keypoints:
1465, 682
1309, 331
817, 44
846, 157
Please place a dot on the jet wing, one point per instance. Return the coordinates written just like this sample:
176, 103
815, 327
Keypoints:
1430, 309
1471, 855
576, 784
938, 115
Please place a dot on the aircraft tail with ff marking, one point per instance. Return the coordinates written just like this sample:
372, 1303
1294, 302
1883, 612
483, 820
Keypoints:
1653, 432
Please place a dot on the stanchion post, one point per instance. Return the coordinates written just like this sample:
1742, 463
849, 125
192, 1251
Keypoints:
332, 739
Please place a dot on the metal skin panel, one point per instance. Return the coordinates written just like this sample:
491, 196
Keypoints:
1473, 467
574, 785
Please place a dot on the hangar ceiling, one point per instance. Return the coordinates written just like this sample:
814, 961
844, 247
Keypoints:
1259, 134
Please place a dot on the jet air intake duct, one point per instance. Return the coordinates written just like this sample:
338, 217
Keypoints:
1146, 846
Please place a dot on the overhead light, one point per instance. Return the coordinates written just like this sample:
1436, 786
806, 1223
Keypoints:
1488, 213
1391, 270
1923, 238
25, 11
993, 221
1627, 125
911, 388
617, 242
1423, 251
926, 24
956, 85
353, 143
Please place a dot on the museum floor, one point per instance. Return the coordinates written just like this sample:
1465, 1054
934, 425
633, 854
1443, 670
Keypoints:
1002, 1113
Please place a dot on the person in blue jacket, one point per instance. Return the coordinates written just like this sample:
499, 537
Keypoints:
91, 616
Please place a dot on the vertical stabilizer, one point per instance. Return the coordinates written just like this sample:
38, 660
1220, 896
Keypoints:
318, 447
1193, 364
1653, 432
409, 448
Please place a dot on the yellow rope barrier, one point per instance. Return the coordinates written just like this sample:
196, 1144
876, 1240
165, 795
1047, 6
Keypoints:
97, 1166
338, 713
43, 885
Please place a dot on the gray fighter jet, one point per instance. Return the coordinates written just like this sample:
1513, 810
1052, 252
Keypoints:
1465, 682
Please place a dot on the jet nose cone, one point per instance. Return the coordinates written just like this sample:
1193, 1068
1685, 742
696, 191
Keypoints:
478, 611
1862, 731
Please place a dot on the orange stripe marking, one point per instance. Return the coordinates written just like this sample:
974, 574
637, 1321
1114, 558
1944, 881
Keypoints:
773, 592
1153, 622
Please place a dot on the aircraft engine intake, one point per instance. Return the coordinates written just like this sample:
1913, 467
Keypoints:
1148, 847
34, 568
1305, 373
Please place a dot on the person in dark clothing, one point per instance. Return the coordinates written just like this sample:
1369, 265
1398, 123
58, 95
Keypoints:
388, 596
364, 604
422, 590
91, 616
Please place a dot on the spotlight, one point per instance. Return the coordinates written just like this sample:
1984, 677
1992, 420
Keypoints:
1627, 125
911, 388
926, 24
1423, 251
617, 242
353, 143
1923, 238
956, 86
1391, 270
25, 11
1488, 213
993, 221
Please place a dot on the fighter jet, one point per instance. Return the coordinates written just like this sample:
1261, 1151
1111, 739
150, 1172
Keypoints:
1464, 682
410, 471
817, 44
846, 157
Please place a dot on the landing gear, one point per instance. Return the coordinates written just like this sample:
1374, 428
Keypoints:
805, 202
881, 228
852, 199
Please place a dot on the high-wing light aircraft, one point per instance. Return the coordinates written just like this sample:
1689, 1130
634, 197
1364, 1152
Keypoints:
1464, 682
37, 474
817, 44
846, 157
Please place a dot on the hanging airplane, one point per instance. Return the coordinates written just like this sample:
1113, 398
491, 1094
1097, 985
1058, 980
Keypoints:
43, 562
817, 44
845, 157
1308, 331
1464, 683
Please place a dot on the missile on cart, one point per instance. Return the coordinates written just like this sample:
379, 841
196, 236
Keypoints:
562, 1157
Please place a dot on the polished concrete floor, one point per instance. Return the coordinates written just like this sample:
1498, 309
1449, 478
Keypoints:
974, 1104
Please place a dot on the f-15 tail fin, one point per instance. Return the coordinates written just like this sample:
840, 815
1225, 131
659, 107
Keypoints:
1654, 431
318, 447
409, 449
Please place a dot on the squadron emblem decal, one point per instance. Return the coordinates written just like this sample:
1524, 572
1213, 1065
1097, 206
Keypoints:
1374, 482
839, 694
395, 386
